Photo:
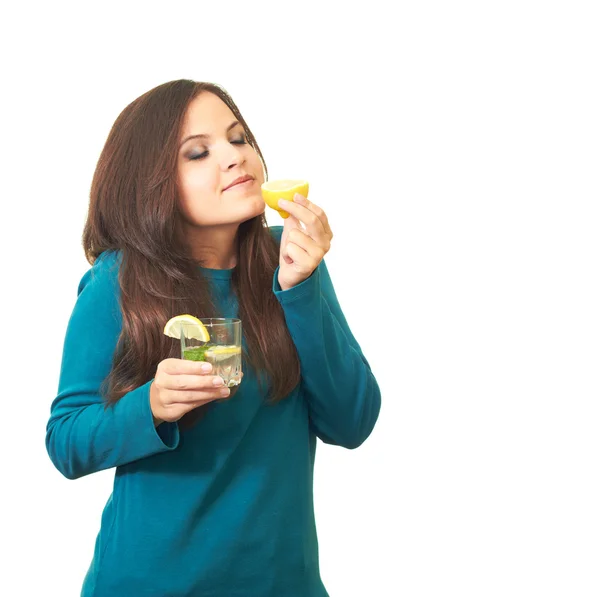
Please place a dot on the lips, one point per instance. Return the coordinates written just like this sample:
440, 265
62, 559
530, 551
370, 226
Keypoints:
239, 180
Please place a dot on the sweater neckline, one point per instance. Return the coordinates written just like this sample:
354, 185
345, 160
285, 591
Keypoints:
217, 274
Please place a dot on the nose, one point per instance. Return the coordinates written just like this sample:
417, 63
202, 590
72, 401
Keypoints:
231, 157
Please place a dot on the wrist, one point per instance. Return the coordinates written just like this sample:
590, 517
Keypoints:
283, 285
156, 420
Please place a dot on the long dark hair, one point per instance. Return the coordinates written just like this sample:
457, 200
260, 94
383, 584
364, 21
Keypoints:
134, 209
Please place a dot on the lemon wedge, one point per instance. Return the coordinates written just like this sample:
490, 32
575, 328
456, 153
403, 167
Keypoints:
192, 328
273, 190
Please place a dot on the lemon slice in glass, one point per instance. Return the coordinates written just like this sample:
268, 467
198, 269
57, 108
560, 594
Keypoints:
273, 190
220, 353
192, 328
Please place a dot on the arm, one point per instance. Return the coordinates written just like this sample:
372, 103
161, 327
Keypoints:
83, 436
343, 396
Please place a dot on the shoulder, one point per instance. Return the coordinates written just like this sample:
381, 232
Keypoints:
98, 297
103, 276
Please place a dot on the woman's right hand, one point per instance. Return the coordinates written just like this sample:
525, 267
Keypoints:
180, 386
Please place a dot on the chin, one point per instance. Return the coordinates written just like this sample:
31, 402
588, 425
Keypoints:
256, 207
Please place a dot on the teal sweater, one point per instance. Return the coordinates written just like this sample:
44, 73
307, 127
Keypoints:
224, 509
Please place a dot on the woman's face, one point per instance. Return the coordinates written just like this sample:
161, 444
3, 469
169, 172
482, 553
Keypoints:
213, 154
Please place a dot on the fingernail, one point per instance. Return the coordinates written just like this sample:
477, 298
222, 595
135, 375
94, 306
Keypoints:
206, 367
218, 381
298, 198
225, 392
283, 202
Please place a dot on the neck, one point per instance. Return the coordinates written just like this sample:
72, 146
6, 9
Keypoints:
215, 247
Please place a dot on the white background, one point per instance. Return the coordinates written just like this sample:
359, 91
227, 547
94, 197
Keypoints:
455, 147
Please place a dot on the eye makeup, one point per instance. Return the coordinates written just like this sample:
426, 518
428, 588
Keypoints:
199, 156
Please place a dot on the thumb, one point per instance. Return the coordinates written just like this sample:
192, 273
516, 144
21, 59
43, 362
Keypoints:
289, 223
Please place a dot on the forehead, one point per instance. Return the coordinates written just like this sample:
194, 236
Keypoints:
207, 114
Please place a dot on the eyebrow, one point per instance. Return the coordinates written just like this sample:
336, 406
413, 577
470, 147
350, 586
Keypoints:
204, 136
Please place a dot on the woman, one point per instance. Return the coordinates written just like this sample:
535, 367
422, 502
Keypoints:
210, 497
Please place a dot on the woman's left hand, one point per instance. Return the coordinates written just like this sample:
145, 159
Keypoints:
301, 251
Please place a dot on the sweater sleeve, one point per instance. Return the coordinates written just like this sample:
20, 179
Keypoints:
343, 396
82, 435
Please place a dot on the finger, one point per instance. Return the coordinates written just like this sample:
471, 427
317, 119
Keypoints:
315, 209
318, 211
303, 262
184, 367
178, 409
308, 244
290, 223
222, 393
314, 225
190, 396
190, 382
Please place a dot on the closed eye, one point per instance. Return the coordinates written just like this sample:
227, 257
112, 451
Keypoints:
200, 156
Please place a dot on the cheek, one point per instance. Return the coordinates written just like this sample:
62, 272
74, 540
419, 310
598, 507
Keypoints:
198, 180
196, 186
196, 192
257, 168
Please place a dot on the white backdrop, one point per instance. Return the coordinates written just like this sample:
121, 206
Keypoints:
455, 147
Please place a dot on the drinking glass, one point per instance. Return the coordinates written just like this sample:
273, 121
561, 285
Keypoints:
223, 350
